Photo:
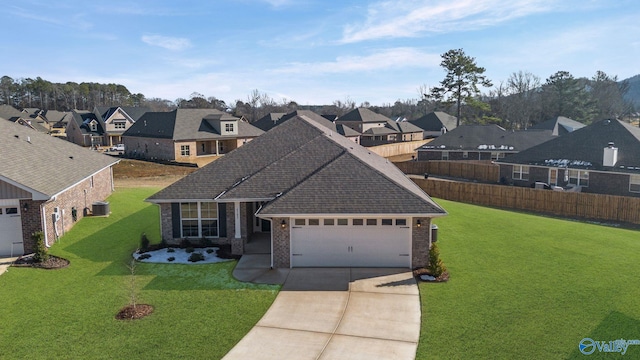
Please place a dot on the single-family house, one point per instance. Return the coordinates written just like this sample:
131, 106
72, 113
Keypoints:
85, 129
270, 121
47, 185
322, 200
117, 119
23, 118
185, 135
603, 158
435, 124
480, 142
377, 129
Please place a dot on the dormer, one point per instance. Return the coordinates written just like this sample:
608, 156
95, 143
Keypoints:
223, 124
93, 125
228, 127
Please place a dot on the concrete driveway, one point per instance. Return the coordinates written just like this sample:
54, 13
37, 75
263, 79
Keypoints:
5, 263
338, 313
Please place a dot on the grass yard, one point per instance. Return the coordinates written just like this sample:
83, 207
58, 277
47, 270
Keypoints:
529, 287
200, 310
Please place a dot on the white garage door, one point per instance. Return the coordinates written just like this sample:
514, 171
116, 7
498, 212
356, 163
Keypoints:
351, 242
10, 228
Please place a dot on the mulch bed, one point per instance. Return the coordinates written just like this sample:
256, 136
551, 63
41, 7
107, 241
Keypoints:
133, 312
52, 263
422, 271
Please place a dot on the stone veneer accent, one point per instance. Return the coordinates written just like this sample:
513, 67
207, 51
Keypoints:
421, 242
281, 243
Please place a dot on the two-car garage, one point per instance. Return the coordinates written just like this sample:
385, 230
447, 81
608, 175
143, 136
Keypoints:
350, 242
10, 228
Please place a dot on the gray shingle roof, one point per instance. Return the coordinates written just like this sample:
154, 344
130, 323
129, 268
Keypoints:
8, 112
434, 121
302, 160
43, 163
187, 124
487, 138
363, 115
560, 125
82, 118
268, 121
584, 148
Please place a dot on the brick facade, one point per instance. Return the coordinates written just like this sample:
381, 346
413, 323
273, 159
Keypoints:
421, 241
81, 196
281, 243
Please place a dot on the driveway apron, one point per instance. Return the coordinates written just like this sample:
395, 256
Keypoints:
338, 313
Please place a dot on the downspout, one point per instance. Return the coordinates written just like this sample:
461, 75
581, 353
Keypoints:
44, 224
271, 227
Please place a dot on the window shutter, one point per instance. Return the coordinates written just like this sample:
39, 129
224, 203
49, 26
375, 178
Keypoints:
175, 219
222, 219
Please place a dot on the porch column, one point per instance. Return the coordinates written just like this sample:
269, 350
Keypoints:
218, 154
236, 206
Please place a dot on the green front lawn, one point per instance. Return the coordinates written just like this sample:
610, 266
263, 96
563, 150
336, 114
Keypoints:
200, 310
529, 287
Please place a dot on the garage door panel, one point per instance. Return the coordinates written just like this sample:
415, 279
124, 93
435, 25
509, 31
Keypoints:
356, 246
10, 230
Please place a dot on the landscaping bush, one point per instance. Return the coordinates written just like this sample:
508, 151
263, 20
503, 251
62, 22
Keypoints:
185, 243
436, 266
207, 242
144, 242
189, 250
170, 250
144, 256
171, 258
41, 253
194, 257
209, 251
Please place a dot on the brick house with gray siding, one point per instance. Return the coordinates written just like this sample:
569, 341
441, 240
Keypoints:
46, 184
321, 199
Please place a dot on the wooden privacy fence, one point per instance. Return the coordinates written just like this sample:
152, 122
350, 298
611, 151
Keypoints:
565, 204
399, 148
479, 171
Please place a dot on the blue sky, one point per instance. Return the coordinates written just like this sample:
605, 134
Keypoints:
311, 51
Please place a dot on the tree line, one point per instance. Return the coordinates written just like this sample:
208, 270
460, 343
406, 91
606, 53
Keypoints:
519, 102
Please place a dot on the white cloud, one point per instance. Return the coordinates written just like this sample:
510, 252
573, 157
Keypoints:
383, 59
170, 43
409, 18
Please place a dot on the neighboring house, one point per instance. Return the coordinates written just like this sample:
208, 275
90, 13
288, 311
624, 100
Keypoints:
376, 129
184, 135
481, 142
603, 158
559, 125
52, 122
85, 129
23, 118
116, 120
268, 122
435, 124
324, 200
45, 185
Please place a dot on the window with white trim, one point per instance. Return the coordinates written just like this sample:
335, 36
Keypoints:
228, 127
119, 124
520, 172
579, 177
445, 155
185, 150
634, 183
496, 155
199, 219
300, 222
465, 154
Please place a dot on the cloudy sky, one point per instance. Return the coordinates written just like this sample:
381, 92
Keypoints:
311, 51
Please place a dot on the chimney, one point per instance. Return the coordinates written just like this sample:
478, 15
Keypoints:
610, 157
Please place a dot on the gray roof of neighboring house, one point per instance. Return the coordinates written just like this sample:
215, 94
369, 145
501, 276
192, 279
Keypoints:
134, 112
560, 125
55, 116
435, 121
82, 118
584, 148
487, 138
45, 164
405, 127
188, 124
10, 113
363, 115
267, 125
268, 121
302, 167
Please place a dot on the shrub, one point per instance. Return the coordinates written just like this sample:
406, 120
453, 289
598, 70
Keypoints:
436, 266
185, 243
144, 242
189, 250
207, 242
144, 256
170, 250
196, 257
41, 254
171, 258
209, 251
